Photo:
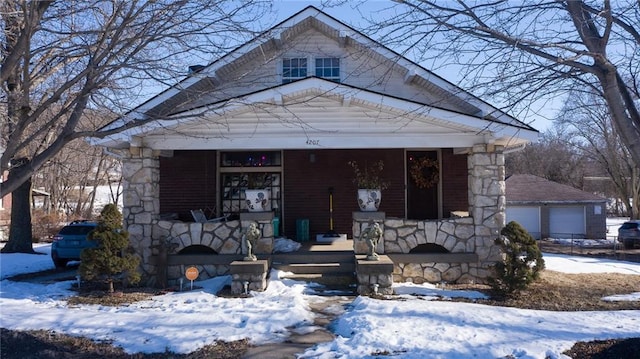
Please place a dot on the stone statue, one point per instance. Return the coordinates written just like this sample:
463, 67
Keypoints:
249, 240
372, 235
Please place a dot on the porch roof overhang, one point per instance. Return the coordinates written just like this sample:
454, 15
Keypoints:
314, 113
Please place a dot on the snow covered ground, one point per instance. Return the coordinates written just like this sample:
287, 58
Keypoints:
414, 327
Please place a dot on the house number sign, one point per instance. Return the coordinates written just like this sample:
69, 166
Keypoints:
313, 142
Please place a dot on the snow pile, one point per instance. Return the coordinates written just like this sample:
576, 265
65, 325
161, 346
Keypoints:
411, 326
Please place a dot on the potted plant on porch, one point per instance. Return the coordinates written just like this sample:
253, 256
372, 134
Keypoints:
370, 184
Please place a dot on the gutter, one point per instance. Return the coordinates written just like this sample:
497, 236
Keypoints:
517, 148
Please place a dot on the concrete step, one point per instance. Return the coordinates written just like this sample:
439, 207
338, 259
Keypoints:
328, 284
324, 278
329, 273
313, 257
317, 268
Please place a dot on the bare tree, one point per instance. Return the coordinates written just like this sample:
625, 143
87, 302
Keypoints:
525, 52
588, 121
60, 58
73, 176
554, 157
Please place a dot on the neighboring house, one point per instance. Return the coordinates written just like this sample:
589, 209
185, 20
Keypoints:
289, 109
552, 210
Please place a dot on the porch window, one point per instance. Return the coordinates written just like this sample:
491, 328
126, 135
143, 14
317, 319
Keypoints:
293, 69
244, 170
328, 68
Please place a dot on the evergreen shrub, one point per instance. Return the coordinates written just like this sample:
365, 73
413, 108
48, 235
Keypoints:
113, 258
522, 261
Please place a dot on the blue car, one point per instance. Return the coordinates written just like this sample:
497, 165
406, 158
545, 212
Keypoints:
70, 241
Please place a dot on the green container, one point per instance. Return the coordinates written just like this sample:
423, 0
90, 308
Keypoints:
302, 230
276, 227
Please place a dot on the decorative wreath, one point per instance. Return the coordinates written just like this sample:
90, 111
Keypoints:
418, 172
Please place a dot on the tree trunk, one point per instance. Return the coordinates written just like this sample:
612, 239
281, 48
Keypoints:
634, 211
20, 232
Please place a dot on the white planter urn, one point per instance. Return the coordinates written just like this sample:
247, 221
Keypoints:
369, 199
258, 200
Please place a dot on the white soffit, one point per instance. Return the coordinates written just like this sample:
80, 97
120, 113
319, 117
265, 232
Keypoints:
314, 111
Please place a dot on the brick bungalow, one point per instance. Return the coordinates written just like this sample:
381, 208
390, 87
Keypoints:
289, 109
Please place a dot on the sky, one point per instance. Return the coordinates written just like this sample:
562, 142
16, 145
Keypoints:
410, 325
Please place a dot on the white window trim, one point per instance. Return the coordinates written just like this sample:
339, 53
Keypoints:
281, 67
339, 78
311, 66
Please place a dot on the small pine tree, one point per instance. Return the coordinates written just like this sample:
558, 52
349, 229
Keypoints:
112, 256
522, 261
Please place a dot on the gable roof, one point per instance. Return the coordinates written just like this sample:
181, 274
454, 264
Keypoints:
206, 79
530, 189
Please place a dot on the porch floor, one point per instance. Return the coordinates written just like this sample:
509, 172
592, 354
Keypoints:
337, 246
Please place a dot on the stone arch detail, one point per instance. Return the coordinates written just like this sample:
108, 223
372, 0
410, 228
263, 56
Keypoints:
454, 235
221, 237
197, 249
428, 248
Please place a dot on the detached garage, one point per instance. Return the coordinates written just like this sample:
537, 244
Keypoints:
552, 210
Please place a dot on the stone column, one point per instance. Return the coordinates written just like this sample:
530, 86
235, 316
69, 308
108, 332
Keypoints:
374, 277
361, 222
487, 202
141, 204
253, 273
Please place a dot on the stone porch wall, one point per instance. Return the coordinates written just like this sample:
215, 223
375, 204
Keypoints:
222, 237
474, 234
455, 235
150, 237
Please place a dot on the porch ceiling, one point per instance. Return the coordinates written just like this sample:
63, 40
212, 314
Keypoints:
315, 113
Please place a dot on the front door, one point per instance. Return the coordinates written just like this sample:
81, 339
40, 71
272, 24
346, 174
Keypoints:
422, 184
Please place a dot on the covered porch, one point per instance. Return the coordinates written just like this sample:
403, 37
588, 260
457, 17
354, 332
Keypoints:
466, 241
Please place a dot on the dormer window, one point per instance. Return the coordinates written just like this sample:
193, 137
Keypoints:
294, 69
328, 68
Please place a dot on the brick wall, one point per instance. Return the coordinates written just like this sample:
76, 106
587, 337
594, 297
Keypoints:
187, 181
454, 182
309, 174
